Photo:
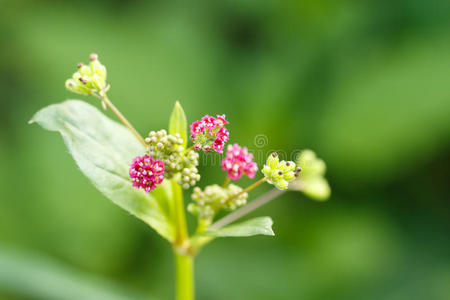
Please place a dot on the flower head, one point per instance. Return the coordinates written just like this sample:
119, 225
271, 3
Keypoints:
89, 78
169, 149
210, 133
238, 162
214, 198
279, 173
146, 172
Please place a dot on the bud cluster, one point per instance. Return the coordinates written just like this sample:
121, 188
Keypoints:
214, 198
89, 78
210, 133
312, 180
279, 173
169, 149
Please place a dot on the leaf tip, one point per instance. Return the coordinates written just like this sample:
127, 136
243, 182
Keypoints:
269, 227
33, 119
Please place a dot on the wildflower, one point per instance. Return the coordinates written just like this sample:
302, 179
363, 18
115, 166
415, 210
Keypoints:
238, 162
89, 78
312, 180
279, 173
146, 172
210, 133
169, 149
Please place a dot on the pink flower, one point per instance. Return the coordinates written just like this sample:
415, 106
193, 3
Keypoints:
218, 145
146, 172
210, 133
238, 162
221, 119
223, 134
209, 122
197, 127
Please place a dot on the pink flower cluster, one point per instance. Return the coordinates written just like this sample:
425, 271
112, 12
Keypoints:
210, 133
146, 172
238, 161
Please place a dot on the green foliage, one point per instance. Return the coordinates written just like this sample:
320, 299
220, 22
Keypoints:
256, 226
34, 276
178, 123
103, 150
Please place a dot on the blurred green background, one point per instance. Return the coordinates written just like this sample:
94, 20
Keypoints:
366, 84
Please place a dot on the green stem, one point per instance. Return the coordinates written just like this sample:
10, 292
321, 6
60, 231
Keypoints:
121, 117
181, 235
226, 182
236, 215
247, 189
184, 270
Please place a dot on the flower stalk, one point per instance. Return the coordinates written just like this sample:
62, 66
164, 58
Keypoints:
245, 210
184, 277
247, 189
121, 117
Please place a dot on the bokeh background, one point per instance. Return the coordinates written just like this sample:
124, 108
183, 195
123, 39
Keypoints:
366, 84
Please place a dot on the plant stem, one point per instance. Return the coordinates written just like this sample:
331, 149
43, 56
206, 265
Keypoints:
189, 149
226, 182
184, 272
181, 235
121, 118
247, 189
258, 202
184, 280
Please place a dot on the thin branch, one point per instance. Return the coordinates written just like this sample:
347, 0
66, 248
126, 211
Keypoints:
247, 189
226, 182
121, 117
258, 202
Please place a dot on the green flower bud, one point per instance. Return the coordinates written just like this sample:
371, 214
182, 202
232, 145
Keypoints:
76, 87
279, 173
98, 82
311, 180
310, 164
206, 204
85, 71
98, 69
241, 200
88, 79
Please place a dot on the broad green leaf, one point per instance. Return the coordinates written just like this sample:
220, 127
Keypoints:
261, 225
178, 123
103, 149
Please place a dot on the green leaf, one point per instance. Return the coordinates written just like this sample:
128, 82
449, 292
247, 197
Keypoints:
178, 123
103, 149
261, 225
